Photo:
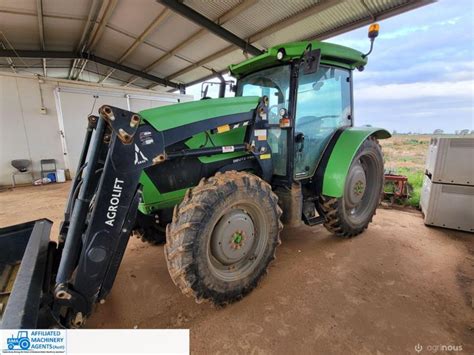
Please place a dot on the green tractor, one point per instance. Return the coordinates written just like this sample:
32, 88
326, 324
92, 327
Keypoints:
215, 179
221, 214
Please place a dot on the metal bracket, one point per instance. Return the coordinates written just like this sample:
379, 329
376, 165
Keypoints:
123, 123
311, 59
256, 138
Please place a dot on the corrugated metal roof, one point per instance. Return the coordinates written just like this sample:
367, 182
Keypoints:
145, 35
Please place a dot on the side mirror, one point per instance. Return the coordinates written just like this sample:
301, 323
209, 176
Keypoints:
204, 91
299, 138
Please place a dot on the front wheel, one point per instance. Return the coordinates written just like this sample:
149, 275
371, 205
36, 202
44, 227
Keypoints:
223, 236
350, 214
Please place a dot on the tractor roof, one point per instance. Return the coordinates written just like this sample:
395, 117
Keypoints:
332, 54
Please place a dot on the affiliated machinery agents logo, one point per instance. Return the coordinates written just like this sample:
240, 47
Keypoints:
33, 341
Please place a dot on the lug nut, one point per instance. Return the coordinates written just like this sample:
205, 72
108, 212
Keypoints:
134, 121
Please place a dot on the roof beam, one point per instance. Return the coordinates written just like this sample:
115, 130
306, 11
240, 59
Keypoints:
323, 5
244, 5
103, 22
39, 15
91, 20
277, 26
201, 63
97, 35
6, 53
9, 60
86, 33
371, 17
208, 24
150, 29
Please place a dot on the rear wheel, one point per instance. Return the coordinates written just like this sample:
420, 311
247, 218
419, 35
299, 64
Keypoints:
223, 236
350, 214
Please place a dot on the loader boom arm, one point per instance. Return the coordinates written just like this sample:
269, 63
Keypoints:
102, 205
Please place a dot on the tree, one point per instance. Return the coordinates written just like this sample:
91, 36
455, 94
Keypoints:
438, 131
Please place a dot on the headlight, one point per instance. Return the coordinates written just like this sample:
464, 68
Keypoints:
281, 54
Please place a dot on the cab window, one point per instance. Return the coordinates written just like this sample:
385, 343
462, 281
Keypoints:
323, 106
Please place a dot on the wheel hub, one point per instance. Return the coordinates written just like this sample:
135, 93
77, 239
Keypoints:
356, 185
233, 237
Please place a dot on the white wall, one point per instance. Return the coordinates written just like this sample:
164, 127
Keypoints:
25, 133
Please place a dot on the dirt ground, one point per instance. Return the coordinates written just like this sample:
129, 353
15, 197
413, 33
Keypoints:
398, 285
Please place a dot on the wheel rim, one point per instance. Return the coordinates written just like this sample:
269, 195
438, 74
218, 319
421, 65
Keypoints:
361, 190
237, 242
357, 182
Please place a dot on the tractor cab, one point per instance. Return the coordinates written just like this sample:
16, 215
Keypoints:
306, 107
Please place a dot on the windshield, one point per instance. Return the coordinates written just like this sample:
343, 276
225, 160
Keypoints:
273, 83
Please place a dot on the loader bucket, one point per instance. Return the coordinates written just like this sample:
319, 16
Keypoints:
23, 272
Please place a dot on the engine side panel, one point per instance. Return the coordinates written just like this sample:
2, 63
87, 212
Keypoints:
164, 185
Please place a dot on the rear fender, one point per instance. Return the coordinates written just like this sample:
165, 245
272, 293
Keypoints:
347, 145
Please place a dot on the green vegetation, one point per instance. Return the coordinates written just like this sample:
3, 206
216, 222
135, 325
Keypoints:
415, 179
414, 141
406, 155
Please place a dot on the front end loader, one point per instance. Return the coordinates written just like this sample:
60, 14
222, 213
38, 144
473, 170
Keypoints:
215, 180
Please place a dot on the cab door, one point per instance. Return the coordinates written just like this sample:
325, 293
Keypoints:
323, 104
273, 83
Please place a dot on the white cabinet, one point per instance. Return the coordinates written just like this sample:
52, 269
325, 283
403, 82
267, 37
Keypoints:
451, 160
449, 206
447, 196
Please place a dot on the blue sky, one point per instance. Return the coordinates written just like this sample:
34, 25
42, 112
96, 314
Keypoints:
420, 76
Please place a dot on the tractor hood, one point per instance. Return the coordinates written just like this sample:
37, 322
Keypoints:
177, 115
